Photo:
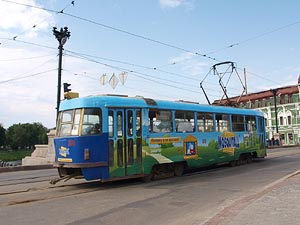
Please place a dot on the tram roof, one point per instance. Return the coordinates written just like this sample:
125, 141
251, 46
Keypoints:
140, 102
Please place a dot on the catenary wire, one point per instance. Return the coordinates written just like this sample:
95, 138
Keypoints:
27, 76
144, 37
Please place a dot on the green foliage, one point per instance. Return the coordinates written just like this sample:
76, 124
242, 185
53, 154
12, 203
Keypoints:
2, 136
213, 145
14, 155
25, 136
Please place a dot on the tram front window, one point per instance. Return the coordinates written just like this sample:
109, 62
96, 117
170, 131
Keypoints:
66, 123
69, 123
92, 122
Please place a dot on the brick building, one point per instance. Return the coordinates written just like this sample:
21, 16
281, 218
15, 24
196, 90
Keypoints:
288, 113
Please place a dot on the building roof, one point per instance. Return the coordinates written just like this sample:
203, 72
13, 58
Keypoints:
287, 90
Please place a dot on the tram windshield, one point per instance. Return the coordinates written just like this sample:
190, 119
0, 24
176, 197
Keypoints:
76, 122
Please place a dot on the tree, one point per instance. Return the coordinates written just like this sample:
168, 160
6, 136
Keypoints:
2, 136
25, 136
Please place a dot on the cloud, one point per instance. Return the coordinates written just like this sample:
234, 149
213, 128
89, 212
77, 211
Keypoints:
190, 64
176, 3
20, 18
170, 3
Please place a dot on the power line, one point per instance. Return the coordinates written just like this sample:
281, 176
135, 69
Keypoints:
35, 25
26, 58
27, 76
147, 77
255, 37
30, 43
147, 38
116, 29
140, 66
22, 77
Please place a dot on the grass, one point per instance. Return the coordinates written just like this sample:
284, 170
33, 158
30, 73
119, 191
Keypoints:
14, 155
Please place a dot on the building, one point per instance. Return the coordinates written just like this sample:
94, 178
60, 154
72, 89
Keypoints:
287, 107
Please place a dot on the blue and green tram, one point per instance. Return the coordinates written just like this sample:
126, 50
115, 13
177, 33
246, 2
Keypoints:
118, 137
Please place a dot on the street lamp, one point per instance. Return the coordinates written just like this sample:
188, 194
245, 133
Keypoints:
62, 37
274, 91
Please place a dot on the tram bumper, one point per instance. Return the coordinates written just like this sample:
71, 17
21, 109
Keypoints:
88, 170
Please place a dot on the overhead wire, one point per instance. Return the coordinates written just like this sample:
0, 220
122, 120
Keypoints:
25, 58
145, 76
157, 41
27, 76
254, 37
140, 66
22, 77
36, 24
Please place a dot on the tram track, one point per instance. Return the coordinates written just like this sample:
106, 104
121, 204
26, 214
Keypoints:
29, 195
25, 181
43, 191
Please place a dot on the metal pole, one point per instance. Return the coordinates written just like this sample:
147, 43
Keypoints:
61, 37
245, 77
274, 91
59, 78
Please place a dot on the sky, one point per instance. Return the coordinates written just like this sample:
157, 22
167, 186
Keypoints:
165, 48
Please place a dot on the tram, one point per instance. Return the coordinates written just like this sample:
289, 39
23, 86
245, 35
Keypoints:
111, 138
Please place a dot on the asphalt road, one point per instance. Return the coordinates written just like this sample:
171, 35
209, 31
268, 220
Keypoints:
26, 197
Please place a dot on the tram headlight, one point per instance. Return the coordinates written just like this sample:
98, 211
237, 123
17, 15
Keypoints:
86, 154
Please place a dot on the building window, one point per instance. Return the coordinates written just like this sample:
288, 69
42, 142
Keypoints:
281, 120
289, 120
263, 103
282, 99
290, 99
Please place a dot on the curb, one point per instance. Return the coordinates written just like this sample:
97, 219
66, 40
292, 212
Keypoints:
235, 207
23, 168
282, 146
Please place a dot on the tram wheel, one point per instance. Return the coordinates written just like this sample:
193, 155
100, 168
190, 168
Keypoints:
178, 169
148, 178
233, 163
249, 158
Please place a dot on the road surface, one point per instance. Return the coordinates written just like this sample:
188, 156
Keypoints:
26, 197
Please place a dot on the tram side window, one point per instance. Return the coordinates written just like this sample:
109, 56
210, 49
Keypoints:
205, 122
92, 122
75, 128
120, 124
237, 123
250, 123
160, 121
138, 123
110, 123
184, 122
222, 122
261, 126
130, 123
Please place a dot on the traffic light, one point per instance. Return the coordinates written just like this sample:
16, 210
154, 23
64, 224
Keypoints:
66, 87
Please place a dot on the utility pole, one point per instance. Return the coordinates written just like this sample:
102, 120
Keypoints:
61, 37
245, 77
274, 91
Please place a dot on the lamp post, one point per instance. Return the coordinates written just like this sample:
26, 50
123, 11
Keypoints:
61, 37
274, 91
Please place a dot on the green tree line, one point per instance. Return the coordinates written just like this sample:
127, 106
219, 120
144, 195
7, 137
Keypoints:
23, 136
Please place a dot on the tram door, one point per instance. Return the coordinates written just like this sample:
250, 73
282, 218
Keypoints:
125, 142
